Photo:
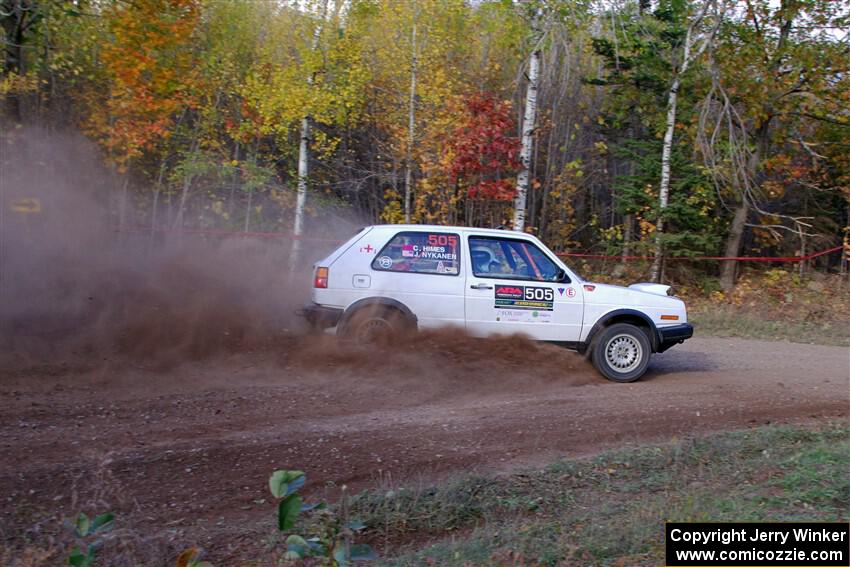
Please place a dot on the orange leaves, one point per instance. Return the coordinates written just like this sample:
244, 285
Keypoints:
151, 69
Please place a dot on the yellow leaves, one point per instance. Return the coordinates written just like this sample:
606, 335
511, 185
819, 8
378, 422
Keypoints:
218, 208
612, 234
13, 83
393, 212
646, 228
285, 85
323, 145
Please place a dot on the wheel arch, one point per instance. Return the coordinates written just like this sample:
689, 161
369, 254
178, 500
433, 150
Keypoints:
382, 302
630, 316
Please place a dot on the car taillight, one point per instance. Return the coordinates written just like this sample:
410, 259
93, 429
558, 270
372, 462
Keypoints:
321, 278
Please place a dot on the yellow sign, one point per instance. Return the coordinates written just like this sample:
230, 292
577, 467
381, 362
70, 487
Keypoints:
28, 206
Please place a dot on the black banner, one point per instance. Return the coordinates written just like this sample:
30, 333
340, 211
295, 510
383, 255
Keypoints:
525, 297
743, 544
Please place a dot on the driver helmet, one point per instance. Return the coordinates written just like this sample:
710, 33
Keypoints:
482, 258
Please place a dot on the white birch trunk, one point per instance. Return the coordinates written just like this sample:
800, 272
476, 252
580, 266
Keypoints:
528, 121
664, 189
303, 166
672, 100
411, 125
301, 195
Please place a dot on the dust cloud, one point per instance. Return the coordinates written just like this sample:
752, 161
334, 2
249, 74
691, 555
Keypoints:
75, 292
74, 286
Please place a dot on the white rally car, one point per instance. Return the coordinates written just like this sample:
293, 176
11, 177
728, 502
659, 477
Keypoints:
393, 277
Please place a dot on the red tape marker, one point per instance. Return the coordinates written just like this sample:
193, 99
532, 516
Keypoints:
713, 258
289, 236
224, 233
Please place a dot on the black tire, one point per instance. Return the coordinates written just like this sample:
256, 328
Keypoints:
621, 352
374, 324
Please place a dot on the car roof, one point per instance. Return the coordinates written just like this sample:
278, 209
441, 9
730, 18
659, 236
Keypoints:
438, 227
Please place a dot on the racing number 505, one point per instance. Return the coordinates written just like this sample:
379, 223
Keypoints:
539, 294
442, 240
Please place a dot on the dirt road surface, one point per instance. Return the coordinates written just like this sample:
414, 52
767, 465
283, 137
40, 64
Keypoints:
187, 449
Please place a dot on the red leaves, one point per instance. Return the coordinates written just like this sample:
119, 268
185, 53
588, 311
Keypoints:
486, 154
499, 190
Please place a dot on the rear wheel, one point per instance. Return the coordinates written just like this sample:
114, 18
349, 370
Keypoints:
621, 352
373, 325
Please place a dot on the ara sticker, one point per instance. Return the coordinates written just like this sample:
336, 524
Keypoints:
385, 262
524, 297
571, 292
560, 291
368, 249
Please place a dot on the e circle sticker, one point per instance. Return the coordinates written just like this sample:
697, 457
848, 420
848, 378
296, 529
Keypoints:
386, 262
571, 292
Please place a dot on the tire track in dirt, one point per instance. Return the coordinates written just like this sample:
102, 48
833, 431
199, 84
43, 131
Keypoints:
194, 445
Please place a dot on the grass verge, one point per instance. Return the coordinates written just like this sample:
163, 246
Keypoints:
611, 509
725, 321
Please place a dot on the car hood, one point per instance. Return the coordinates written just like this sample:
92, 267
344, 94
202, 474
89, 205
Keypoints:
645, 294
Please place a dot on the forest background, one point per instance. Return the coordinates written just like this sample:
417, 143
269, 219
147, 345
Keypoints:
664, 129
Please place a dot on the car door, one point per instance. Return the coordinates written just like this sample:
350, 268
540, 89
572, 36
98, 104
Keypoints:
513, 286
421, 269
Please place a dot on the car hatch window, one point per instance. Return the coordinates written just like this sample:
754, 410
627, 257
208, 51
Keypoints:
507, 258
420, 253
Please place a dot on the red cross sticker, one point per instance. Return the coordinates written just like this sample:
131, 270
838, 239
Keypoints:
368, 249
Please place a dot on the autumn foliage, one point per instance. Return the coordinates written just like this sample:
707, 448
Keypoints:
199, 105
152, 73
486, 154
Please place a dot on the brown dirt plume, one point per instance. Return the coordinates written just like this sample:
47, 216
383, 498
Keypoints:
80, 293
441, 357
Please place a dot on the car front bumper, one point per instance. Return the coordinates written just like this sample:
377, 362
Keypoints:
674, 335
321, 317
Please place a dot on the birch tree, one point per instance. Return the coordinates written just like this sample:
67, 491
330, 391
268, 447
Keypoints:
528, 124
692, 49
411, 120
304, 157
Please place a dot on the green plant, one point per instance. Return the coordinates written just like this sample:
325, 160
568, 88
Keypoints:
333, 533
85, 531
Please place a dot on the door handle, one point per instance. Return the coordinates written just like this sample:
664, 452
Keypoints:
481, 286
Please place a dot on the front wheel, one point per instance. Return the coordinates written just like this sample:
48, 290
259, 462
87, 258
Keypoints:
621, 353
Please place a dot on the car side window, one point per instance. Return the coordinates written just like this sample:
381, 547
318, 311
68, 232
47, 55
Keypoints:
420, 253
510, 259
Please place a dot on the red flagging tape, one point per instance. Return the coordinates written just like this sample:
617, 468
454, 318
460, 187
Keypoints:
289, 236
225, 233
717, 258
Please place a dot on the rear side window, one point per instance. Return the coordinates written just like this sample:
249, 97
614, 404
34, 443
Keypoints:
420, 253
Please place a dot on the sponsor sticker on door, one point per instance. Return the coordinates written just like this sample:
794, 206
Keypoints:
525, 297
523, 316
